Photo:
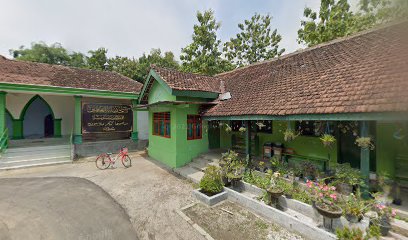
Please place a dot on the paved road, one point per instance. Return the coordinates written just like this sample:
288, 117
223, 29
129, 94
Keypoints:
149, 194
60, 208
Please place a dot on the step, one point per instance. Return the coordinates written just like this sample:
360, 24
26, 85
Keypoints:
400, 227
34, 165
392, 235
33, 162
190, 173
37, 148
33, 158
33, 155
199, 165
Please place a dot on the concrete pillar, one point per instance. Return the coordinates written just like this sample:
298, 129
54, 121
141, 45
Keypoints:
248, 139
17, 129
78, 120
134, 136
57, 127
365, 157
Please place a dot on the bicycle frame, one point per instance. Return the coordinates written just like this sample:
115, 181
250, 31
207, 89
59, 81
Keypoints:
122, 154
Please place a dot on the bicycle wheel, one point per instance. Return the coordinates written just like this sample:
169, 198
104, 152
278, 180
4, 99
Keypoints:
102, 161
126, 161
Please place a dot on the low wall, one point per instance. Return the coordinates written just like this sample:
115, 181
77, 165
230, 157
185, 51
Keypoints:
306, 209
88, 149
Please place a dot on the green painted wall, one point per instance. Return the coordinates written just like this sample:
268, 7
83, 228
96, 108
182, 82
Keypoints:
159, 93
188, 149
387, 147
177, 150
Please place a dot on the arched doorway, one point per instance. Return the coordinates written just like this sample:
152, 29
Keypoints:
9, 123
38, 119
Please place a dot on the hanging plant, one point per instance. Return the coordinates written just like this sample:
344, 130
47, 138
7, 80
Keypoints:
328, 140
242, 129
228, 129
365, 142
289, 135
260, 125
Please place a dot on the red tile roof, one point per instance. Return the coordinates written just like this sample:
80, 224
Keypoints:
187, 81
31, 73
363, 73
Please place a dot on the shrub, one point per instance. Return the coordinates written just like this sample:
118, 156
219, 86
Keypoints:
349, 234
211, 183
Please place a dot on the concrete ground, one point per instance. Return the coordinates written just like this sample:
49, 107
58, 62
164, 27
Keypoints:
60, 208
149, 194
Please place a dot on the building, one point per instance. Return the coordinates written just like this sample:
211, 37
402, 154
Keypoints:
42, 104
352, 87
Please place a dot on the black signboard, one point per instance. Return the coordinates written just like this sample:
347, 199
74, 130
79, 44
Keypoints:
106, 118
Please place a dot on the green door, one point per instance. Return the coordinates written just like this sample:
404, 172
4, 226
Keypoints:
214, 134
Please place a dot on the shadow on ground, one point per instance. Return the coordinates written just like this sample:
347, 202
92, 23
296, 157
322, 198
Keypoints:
60, 208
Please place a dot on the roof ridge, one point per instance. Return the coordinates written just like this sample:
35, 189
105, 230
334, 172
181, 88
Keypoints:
307, 49
176, 70
64, 67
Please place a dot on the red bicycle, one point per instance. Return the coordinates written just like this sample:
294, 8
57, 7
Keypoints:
104, 160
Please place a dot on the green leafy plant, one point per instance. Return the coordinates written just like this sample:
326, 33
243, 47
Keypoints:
275, 162
365, 142
328, 140
373, 231
211, 183
344, 173
242, 129
355, 206
290, 135
349, 234
309, 170
257, 179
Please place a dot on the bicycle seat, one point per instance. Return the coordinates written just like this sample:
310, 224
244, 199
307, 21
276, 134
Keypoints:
109, 153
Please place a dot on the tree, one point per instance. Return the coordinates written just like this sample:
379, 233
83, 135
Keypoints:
256, 42
155, 57
78, 59
335, 19
203, 55
97, 59
126, 66
41, 52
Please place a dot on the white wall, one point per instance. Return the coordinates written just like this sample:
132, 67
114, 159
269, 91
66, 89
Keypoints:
62, 106
143, 125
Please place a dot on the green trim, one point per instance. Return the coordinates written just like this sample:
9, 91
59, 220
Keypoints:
57, 127
23, 112
198, 94
2, 111
18, 129
174, 92
365, 157
385, 116
67, 90
78, 139
78, 120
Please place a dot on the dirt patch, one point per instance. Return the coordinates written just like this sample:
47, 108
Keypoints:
228, 220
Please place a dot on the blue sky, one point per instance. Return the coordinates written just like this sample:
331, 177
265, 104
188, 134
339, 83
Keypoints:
132, 27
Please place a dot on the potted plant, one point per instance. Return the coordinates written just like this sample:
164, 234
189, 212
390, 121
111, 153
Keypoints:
345, 177
242, 129
235, 173
385, 216
328, 140
274, 190
226, 162
211, 183
297, 171
365, 142
325, 202
354, 207
309, 170
349, 234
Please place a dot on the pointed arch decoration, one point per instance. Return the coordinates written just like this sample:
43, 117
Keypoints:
57, 121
